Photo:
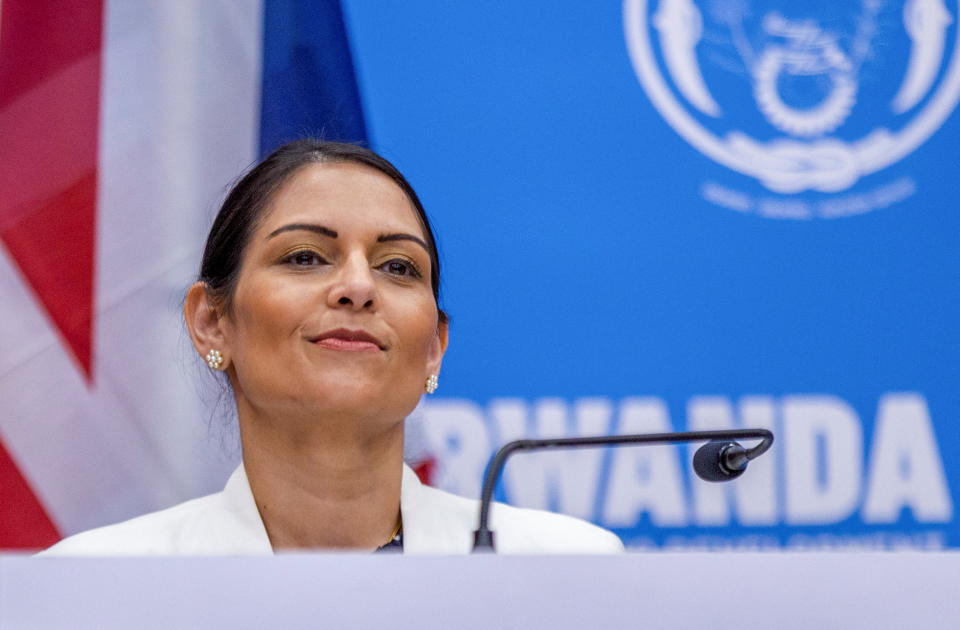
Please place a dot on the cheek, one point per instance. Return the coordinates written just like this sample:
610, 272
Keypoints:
266, 311
419, 327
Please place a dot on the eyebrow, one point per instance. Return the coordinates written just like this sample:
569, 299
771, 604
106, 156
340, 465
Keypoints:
325, 231
310, 227
384, 238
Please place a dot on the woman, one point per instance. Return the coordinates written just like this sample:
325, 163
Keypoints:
318, 298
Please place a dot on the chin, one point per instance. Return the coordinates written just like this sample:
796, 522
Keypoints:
364, 398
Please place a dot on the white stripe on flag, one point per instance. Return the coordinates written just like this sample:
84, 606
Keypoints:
179, 120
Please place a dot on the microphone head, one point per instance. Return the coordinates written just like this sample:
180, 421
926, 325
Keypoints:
709, 462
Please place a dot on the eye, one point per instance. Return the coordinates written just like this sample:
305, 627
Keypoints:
400, 267
305, 258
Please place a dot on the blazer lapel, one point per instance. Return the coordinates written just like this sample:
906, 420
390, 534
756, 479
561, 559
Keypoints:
430, 524
237, 525
433, 521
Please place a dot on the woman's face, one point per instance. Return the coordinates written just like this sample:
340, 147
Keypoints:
333, 311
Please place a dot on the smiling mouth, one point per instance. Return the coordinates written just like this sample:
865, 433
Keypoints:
346, 340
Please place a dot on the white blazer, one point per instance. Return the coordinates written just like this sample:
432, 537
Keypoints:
434, 522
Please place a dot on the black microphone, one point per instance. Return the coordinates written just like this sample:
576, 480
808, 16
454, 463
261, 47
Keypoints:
721, 459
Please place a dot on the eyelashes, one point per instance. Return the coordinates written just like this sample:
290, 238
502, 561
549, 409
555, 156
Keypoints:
399, 267
305, 258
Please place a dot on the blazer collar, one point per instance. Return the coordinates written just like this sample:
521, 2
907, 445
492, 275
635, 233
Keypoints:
430, 526
242, 528
427, 526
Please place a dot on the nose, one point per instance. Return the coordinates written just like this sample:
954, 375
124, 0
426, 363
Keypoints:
354, 286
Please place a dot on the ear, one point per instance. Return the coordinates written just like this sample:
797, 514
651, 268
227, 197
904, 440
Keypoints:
205, 321
438, 347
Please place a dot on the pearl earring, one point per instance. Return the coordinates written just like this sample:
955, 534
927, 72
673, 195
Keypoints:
214, 359
431, 385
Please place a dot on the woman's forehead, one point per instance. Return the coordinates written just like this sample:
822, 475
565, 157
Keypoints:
343, 196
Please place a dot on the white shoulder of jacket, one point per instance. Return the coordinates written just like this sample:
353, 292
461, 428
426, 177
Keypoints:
437, 522
434, 522
223, 523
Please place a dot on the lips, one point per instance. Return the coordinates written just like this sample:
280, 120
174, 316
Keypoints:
347, 340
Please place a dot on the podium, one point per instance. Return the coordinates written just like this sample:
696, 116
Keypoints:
642, 590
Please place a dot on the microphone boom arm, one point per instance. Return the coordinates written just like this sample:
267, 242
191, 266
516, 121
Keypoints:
483, 537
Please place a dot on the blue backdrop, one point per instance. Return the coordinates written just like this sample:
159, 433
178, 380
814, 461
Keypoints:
684, 214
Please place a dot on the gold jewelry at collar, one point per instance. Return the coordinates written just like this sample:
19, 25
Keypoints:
396, 530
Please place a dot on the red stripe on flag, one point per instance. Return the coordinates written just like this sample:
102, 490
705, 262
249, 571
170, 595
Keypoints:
23, 523
49, 117
426, 469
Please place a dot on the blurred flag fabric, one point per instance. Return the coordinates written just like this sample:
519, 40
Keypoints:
121, 124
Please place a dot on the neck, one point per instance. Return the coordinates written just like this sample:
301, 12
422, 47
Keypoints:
324, 484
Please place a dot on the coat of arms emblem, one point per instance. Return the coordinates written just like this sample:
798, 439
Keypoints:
801, 96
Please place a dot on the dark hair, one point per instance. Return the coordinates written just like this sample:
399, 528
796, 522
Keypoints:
249, 198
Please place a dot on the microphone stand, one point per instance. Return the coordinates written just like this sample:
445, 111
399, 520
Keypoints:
483, 537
